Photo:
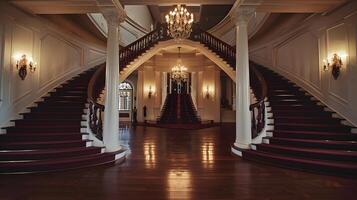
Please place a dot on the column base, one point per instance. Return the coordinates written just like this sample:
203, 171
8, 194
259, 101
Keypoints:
242, 146
238, 148
113, 149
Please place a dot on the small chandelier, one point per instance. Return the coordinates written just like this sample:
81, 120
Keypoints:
179, 71
179, 23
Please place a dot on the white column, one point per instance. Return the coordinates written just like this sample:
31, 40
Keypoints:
111, 112
243, 118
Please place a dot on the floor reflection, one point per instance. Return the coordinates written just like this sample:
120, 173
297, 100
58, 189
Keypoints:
207, 145
207, 151
124, 135
179, 184
150, 154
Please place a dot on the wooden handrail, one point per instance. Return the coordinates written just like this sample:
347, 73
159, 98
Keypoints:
137, 48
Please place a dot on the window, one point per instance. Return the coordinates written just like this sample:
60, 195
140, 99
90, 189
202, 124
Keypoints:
125, 96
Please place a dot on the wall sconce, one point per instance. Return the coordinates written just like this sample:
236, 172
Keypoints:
150, 92
326, 65
336, 64
22, 63
208, 92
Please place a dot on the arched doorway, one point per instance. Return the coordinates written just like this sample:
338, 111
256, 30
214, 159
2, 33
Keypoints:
125, 101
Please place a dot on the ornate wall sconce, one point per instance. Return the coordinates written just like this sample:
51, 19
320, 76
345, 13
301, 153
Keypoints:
22, 64
336, 64
150, 92
208, 92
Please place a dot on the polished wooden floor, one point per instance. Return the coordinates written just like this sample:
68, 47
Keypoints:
177, 164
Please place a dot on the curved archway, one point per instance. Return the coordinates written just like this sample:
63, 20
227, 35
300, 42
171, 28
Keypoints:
172, 43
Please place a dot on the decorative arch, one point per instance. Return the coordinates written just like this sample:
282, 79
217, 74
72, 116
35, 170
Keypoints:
172, 43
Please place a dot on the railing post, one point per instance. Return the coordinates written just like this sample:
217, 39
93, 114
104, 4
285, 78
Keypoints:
243, 115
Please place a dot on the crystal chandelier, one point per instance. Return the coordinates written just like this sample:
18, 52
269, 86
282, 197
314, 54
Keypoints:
179, 23
179, 71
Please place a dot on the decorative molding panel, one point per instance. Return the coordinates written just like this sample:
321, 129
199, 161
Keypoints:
300, 58
22, 43
94, 55
54, 66
337, 42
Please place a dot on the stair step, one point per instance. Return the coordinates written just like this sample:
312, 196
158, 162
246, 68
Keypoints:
305, 119
42, 145
57, 164
312, 127
52, 115
17, 137
37, 122
313, 153
319, 135
310, 113
38, 129
42, 154
320, 166
324, 144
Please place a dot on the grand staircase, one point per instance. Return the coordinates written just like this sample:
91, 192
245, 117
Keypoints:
179, 108
305, 136
50, 137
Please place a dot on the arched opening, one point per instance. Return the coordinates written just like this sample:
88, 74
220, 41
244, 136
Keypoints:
125, 101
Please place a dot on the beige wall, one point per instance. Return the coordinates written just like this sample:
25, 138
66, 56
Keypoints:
59, 56
299, 53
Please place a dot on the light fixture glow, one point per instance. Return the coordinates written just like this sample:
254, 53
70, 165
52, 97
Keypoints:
179, 23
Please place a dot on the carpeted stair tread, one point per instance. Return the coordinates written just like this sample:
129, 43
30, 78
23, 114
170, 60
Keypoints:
40, 137
321, 166
57, 164
325, 144
19, 143
311, 125
41, 154
315, 153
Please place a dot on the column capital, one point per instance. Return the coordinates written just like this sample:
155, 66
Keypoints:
113, 17
243, 14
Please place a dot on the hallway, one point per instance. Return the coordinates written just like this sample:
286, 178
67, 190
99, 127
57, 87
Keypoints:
177, 164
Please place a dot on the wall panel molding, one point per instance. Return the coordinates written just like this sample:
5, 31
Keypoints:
60, 56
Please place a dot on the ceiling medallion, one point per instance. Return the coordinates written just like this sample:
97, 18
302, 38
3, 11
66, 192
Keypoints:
179, 72
179, 23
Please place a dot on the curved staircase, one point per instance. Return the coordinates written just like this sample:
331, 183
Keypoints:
51, 137
305, 136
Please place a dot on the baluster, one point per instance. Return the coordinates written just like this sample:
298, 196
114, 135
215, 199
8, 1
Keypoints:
100, 124
254, 128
